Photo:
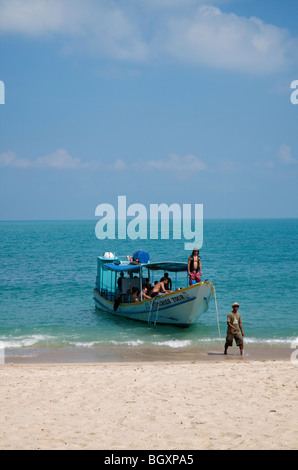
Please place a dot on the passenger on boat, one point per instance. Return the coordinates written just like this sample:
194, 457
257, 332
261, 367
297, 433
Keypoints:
167, 281
146, 283
144, 294
159, 288
134, 295
194, 267
119, 282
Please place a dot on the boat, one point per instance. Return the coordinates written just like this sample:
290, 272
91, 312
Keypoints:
117, 278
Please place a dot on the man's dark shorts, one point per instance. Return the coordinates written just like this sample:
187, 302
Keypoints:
236, 336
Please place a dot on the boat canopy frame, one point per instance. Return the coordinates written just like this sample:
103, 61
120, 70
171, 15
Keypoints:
170, 266
123, 267
165, 266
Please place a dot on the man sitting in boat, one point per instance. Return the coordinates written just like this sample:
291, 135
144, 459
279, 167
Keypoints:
144, 294
159, 288
194, 267
167, 281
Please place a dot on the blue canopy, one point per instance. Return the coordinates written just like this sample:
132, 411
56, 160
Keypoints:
122, 267
141, 255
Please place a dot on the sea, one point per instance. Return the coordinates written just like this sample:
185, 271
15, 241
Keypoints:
48, 271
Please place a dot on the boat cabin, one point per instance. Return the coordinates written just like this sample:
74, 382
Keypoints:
122, 279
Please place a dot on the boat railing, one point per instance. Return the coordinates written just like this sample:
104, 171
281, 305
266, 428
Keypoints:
111, 295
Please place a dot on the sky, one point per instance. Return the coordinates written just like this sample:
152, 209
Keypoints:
163, 101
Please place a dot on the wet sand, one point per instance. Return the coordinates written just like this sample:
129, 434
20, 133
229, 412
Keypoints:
141, 353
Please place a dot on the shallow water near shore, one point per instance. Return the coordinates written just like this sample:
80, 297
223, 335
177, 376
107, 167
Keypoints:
163, 354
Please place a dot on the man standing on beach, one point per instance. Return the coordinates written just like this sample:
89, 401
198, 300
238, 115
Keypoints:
234, 322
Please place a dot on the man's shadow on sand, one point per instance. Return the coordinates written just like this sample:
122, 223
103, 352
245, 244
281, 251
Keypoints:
235, 354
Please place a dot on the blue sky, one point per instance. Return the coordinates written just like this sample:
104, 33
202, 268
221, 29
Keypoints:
164, 101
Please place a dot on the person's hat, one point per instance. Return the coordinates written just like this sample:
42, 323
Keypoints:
235, 304
195, 249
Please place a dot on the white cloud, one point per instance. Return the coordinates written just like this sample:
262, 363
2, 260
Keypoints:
175, 163
285, 155
33, 17
228, 41
9, 159
147, 30
59, 160
171, 4
118, 165
89, 25
268, 164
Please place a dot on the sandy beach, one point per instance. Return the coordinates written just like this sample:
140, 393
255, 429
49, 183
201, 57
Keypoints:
232, 404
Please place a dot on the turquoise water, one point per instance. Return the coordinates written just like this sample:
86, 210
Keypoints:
48, 271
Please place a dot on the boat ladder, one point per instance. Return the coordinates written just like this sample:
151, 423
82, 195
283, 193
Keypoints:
153, 313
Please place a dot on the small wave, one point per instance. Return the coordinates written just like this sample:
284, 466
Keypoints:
175, 343
90, 344
137, 342
27, 341
271, 341
82, 344
22, 341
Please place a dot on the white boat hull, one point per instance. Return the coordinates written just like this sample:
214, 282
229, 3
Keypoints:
182, 308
